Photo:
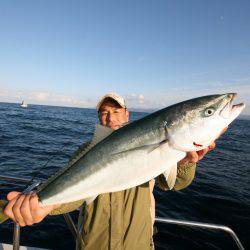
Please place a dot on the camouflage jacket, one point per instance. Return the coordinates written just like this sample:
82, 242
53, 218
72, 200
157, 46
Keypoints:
121, 220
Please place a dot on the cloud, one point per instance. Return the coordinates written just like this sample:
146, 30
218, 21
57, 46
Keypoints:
45, 97
136, 100
175, 95
150, 100
39, 96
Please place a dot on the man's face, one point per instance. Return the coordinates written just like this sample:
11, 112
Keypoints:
112, 115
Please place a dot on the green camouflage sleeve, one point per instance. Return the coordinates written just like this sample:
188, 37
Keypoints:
185, 176
69, 207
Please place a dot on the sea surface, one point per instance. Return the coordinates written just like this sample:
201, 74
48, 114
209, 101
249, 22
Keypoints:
38, 141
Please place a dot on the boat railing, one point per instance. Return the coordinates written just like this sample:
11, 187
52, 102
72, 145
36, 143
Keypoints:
202, 225
75, 233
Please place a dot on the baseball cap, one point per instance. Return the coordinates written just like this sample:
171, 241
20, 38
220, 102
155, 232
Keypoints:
113, 96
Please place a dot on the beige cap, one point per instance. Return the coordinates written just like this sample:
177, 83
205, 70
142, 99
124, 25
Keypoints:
113, 96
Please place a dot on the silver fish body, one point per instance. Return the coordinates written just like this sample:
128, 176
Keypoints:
142, 150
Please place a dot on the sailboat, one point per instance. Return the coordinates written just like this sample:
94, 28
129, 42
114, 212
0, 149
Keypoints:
24, 104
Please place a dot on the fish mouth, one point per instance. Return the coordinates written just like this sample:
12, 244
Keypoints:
197, 145
228, 112
230, 109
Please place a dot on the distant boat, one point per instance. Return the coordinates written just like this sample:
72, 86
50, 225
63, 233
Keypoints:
24, 104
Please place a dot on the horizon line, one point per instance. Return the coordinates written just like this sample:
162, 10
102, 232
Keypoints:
143, 110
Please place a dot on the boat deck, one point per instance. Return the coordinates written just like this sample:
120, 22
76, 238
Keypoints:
10, 247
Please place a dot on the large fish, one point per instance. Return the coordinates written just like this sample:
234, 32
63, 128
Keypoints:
142, 150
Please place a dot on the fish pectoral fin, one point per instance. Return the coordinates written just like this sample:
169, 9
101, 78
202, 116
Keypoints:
149, 148
157, 145
90, 199
171, 176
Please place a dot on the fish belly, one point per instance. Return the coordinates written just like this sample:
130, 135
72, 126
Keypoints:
124, 171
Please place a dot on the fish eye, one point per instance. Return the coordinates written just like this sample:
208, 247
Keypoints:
209, 111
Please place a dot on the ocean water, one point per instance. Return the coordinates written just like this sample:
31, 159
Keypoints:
219, 194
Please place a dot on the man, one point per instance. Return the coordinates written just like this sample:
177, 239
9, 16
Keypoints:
119, 220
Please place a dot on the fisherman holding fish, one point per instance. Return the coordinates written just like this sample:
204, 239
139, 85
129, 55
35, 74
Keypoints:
116, 220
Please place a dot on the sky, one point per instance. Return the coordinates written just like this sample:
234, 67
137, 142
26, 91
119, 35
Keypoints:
154, 53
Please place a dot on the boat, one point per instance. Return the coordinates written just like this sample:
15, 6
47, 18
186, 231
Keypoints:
73, 228
10, 247
24, 104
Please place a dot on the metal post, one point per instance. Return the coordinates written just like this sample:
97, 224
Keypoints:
14, 178
71, 224
17, 230
16, 237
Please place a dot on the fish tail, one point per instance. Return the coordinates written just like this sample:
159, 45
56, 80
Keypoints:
3, 217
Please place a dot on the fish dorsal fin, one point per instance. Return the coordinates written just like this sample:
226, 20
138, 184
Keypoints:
100, 133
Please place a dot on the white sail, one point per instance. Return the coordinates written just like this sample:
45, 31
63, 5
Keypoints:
24, 104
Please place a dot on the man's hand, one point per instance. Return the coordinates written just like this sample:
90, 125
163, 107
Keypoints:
195, 156
26, 209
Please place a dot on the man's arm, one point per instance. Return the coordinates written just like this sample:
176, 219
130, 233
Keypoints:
185, 170
67, 207
26, 209
185, 176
